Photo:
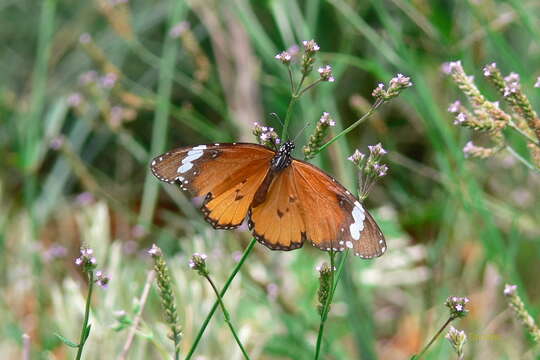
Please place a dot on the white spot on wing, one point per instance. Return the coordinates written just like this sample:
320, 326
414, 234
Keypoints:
192, 155
358, 225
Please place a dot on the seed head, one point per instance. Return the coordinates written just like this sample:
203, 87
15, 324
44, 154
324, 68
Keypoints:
284, 57
266, 135
377, 150
379, 92
457, 306
357, 157
510, 290
490, 69
457, 339
325, 73
155, 251
327, 120
460, 119
87, 261
102, 280
454, 107
198, 263
310, 46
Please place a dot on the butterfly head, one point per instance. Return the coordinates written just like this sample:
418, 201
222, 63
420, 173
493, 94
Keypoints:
286, 148
282, 159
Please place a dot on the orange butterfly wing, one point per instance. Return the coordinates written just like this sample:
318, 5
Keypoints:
303, 203
278, 222
227, 175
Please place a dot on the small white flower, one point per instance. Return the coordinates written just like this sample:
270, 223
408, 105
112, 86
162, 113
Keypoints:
356, 157
469, 148
512, 78
154, 250
85, 38
401, 81
326, 73
377, 149
451, 66
509, 289
284, 57
178, 29
460, 119
454, 107
537, 83
310, 46
109, 80
490, 69
326, 119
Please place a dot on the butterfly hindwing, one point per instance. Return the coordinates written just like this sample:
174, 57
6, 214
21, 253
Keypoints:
226, 175
278, 222
336, 218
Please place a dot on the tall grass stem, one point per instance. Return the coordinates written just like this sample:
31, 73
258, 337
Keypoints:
227, 318
231, 277
326, 308
159, 130
85, 330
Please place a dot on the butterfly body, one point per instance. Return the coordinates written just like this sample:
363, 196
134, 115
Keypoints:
286, 201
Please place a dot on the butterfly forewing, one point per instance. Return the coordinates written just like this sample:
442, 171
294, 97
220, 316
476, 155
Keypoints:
227, 175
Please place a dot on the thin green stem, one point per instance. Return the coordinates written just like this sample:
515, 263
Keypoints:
227, 318
374, 107
300, 83
84, 330
303, 91
434, 337
326, 307
524, 134
291, 79
340, 268
522, 159
221, 294
293, 100
31, 131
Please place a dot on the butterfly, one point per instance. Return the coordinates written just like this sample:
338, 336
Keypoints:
286, 201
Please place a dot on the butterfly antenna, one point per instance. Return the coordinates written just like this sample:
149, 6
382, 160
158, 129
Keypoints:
277, 117
301, 131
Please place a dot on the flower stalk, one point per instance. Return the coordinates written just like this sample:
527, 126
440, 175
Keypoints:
457, 308
516, 304
198, 263
168, 300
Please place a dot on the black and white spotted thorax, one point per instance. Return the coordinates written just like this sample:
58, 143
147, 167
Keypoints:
283, 157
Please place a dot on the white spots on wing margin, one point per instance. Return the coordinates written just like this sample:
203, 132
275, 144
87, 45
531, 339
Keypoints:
192, 155
358, 225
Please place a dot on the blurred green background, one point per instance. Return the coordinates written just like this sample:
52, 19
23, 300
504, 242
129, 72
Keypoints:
91, 90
